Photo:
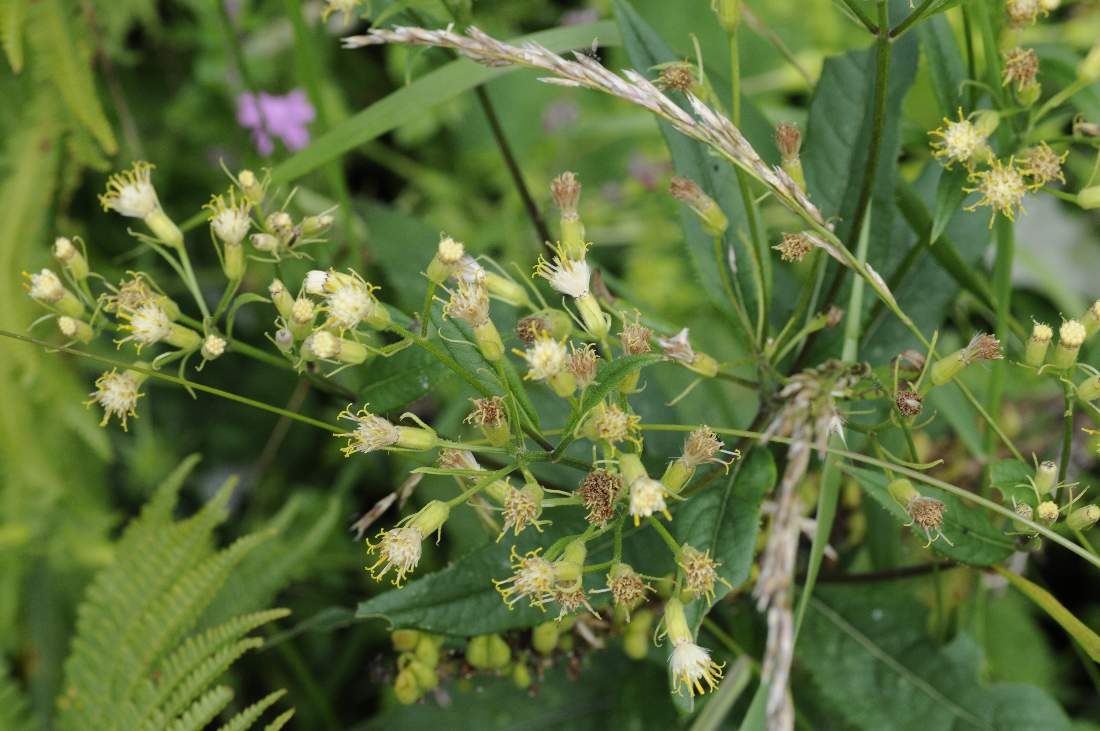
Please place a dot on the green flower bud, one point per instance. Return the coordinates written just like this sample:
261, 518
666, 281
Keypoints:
986, 121
406, 688
404, 640
1046, 475
1089, 389
544, 638
595, 321
1089, 198
251, 187
1089, 68
426, 676
488, 341
1035, 353
521, 676
1083, 518
570, 567
447, 258
71, 258
636, 646
1071, 336
183, 338
477, 652
1047, 512
1091, 319
506, 290
427, 651
499, 653
74, 329
676, 476
281, 298
729, 13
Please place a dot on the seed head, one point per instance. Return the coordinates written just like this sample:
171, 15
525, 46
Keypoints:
530, 327
130, 192
703, 445
118, 394
582, 363
566, 190
1002, 188
628, 589
927, 513
532, 579
1022, 12
522, 508
571, 599
676, 77
909, 403
1043, 165
794, 247
371, 432
678, 348
635, 337
788, 138
982, 347
488, 412
398, 549
1021, 67
599, 490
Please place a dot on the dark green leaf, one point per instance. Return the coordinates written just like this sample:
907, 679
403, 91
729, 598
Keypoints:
1011, 478
945, 64
519, 390
950, 193
724, 520
976, 541
395, 382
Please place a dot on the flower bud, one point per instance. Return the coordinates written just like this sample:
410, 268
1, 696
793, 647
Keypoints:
986, 121
233, 264
213, 347
448, 256
1091, 319
477, 652
788, 138
488, 341
74, 329
521, 676
1089, 68
570, 567
1070, 338
251, 187
729, 13
1089, 389
1035, 353
323, 345
266, 243
404, 640
1046, 475
506, 290
1083, 518
1047, 512
566, 190
281, 225
500, 654
426, 676
302, 314
687, 191
316, 225
46, 289
71, 258
595, 321
1089, 198
544, 637
282, 300
284, 340
405, 687
427, 650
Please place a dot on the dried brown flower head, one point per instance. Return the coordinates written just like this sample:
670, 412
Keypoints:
487, 412
582, 363
1021, 67
700, 572
927, 514
676, 77
678, 347
1022, 12
909, 403
571, 599
529, 328
703, 445
833, 316
522, 508
788, 138
628, 589
566, 190
635, 337
457, 459
1043, 165
982, 347
793, 247
599, 490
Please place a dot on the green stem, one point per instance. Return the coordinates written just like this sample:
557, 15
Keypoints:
1002, 297
852, 324
913, 17
861, 16
728, 286
480, 485
330, 428
665, 535
426, 310
192, 282
227, 297
1067, 432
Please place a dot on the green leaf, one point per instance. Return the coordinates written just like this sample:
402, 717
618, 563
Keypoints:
1011, 478
434, 88
694, 160
868, 653
976, 541
608, 378
1078, 630
945, 64
950, 193
12, 14
724, 520
397, 381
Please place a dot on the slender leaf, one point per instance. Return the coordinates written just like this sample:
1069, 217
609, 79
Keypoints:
12, 14
1077, 629
945, 64
950, 193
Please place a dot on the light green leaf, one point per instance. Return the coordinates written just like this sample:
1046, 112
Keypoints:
976, 541
12, 14
945, 64
434, 88
950, 193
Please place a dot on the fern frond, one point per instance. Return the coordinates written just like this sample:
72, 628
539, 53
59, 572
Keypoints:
69, 69
280, 721
203, 710
244, 720
209, 671
12, 13
194, 652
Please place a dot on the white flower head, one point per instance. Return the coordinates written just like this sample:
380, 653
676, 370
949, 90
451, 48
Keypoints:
147, 324
131, 193
229, 219
118, 394
315, 282
568, 276
692, 666
545, 358
371, 432
533, 579
469, 302
647, 496
350, 300
468, 270
213, 347
450, 252
324, 345
45, 287
398, 549
959, 141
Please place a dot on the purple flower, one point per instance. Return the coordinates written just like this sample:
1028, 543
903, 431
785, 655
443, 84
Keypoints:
284, 117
